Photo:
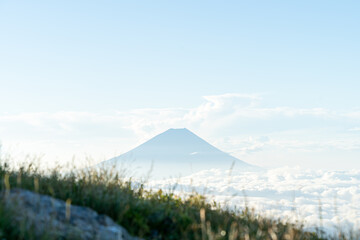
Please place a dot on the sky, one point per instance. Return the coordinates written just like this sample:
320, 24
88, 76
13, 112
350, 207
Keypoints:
274, 83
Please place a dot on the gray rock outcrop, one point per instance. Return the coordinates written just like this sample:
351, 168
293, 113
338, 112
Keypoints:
55, 218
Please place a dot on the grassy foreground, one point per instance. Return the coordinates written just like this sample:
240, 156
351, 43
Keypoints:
146, 214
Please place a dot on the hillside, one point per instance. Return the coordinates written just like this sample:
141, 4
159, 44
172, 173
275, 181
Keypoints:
143, 213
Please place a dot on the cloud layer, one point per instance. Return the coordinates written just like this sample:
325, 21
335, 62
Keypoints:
289, 193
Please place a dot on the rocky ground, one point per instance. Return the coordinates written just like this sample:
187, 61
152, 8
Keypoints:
58, 219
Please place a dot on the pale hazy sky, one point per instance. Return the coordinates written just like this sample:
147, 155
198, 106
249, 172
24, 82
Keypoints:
273, 82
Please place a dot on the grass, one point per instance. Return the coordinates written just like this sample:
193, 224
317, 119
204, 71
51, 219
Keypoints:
144, 213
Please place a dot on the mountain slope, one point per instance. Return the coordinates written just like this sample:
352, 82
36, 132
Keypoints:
175, 152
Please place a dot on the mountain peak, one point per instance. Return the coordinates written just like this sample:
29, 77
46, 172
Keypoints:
178, 150
175, 136
177, 130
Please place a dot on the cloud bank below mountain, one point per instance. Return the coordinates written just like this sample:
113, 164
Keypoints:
288, 193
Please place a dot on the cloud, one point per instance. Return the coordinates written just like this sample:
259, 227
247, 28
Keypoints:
236, 123
352, 115
215, 110
292, 193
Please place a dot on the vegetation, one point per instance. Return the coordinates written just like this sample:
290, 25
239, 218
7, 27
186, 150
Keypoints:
144, 213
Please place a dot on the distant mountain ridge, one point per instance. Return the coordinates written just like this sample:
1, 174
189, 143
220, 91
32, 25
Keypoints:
176, 152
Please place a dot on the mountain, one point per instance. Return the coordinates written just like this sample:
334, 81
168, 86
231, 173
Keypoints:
175, 152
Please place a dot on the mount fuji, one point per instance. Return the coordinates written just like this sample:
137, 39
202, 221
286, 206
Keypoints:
173, 153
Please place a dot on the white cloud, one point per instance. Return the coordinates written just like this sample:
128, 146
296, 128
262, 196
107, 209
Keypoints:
353, 115
292, 193
215, 110
355, 129
237, 123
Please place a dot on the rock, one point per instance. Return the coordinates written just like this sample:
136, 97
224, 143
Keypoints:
53, 217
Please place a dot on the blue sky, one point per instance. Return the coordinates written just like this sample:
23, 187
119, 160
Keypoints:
273, 82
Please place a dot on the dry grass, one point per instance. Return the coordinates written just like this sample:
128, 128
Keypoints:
144, 213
